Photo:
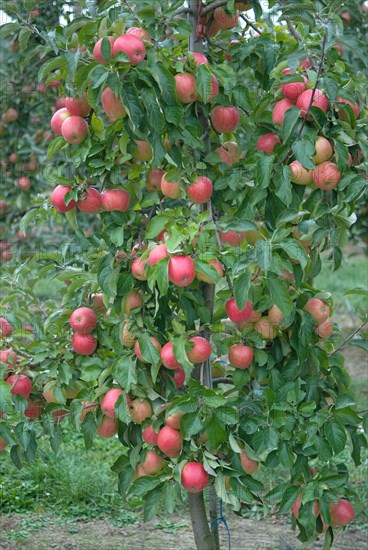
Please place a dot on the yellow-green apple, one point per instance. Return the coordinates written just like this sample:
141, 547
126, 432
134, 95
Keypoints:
186, 87
224, 20
115, 199
6, 328
34, 409
127, 339
153, 463
138, 352
140, 410
20, 384
341, 512
97, 54
326, 176
84, 344
83, 320
169, 441
132, 300
237, 315
138, 268
74, 129
304, 100
275, 315
181, 270
267, 143
318, 309
323, 149
168, 358
149, 435
200, 190
206, 278
132, 46
158, 252
109, 401
249, 466
112, 105
153, 181
140, 33
194, 477
90, 201
108, 427
201, 350
179, 377
142, 151
170, 189
265, 328
240, 356
292, 90
57, 120
279, 110
325, 329
48, 392
233, 238
299, 174
225, 119
78, 106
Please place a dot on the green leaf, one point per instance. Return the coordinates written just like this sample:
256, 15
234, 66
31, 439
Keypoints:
291, 118
129, 96
151, 504
55, 146
7, 29
294, 250
156, 225
264, 255
204, 82
359, 343
336, 436
106, 49
303, 151
117, 236
191, 424
5, 397
241, 288
216, 431
280, 295
264, 170
154, 114
148, 350
165, 81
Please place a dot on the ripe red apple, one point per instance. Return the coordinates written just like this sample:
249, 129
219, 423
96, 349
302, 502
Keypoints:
279, 110
6, 328
132, 46
233, 238
265, 328
173, 420
153, 181
140, 410
10, 115
108, 427
13, 158
142, 151
138, 269
199, 58
224, 20
33, 165
326, 176
323, 149
112, 105
200, 190
292, 90
115, 199
201, 350
140, 33
34, 409
97, 54
225, 156
78, 106
341, 512
179, 377
249, 466
24, 183
325, 329
300, 175
149, 435
137, 349
354, 106
109, 401
297, 504
168, 358
3, 444
158, 253
153, 463
8, 356
181, 270
84, 344
275, 315
267, 143
21, 384
169, 441
58, 196
240, 356
170, 189
225, 119
319, 100
237, 315
194, 477
74, 130
132, 300
186, 87
206, 278
90, 201
58, 119
83, 320
318, 309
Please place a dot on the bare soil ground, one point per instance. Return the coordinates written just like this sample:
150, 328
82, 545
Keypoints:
246, 534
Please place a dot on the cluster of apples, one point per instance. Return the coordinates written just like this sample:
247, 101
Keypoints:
5, 251
69, 121
91, 201
341, 512
83, 321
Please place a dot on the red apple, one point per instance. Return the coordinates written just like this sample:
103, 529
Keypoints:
149, 435
206, 278
13, 158
6, 328
225, 156
74, 130
58, 119
10, 115
153, 181
170, 189
108, 427
249, 466
354, 106
24, 183
169, 441
267, 143
201, 350
319, 100
194, 477
240, 356
341, 512
265, 328
158, 253
115, 199
138, 269
90, 201
200, 190
292, 90
279, 110
132, 46
112, 105
153, 463
199, 58
8, 356
21, 384
225, 119
88, 407
325, 329
140, 410
58, 199
83, 320
168, 358
3, 444
237, 315
233, 238
181, 270
275, 315
323, 149
137, 350
297, 504
132, 300
34, 409
326, 176
3, 207
84, 344
179, 377
140, 33
109, 401
224, 20
186, 87
318, 309
300, 175
142, 151
78, 106
97, 54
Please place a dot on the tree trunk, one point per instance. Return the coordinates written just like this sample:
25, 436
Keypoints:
202, 534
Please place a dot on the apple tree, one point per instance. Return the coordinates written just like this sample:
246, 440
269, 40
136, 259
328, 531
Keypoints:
211, 158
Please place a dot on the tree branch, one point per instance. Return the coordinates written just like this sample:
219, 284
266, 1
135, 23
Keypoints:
293, 30
211, 7
251, 24
348, 338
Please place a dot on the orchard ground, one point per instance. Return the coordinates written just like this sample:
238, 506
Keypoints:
70, 502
